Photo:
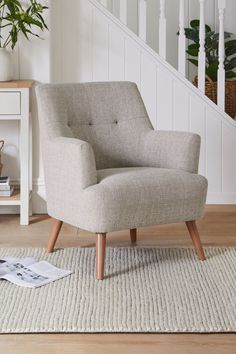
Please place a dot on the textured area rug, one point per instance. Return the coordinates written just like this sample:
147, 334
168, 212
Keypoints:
146, 290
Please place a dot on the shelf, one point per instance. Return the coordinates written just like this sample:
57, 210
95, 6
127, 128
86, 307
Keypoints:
10, 117
13, 200
16, 84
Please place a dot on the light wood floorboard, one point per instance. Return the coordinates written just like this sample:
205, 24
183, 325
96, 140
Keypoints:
217, 228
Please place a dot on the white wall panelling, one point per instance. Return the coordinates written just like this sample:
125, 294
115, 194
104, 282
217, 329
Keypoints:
214, 150
132, 61
116, 54
197, 125
100, 47
180, 103
149, 85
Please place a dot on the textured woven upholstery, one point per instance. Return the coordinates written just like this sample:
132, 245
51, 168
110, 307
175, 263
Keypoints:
106, 168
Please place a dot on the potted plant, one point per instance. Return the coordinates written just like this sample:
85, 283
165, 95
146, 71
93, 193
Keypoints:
17, 17
211, 47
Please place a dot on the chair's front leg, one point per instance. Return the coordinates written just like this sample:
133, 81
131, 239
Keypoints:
192, 228
100, 255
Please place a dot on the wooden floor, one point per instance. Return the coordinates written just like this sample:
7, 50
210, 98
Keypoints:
217, 228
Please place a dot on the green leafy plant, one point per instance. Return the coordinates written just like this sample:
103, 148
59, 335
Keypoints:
20, 17
211, 47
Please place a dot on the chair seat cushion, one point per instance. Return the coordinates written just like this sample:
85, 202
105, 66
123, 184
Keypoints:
126, 198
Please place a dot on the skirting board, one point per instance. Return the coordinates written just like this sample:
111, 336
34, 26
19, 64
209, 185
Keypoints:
39, 199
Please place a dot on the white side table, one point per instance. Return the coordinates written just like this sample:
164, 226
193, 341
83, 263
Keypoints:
14, 105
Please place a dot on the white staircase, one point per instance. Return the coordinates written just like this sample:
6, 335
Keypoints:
100, 47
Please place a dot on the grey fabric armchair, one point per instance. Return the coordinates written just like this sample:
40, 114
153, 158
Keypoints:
107, 169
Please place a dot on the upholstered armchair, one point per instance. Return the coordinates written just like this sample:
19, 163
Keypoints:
107, 169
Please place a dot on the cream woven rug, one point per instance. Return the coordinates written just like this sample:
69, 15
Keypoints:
147, 290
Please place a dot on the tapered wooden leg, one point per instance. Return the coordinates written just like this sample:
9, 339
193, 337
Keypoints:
100, 255
192, 228
133, 235
56, 227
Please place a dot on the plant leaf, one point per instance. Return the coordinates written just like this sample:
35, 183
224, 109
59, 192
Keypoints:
192, 34
196, 24
230, 51
226, 35
231, 64
230, 74
193, 50
212, 70
193, 61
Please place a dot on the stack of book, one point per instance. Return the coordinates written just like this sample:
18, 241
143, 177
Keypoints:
6, 189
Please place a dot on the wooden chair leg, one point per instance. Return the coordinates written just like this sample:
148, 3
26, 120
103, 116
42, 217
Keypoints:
192, 228
56, 227
133, 235
100, 255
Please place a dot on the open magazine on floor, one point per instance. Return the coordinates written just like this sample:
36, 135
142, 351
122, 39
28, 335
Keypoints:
28, 272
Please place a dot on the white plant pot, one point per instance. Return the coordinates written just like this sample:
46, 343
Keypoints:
6, 70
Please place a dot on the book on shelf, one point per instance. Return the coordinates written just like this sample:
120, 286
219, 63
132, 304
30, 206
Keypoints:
7, 193
4, 181
5, 187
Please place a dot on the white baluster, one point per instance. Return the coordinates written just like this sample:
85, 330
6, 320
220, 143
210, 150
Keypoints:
104, 3
202, 52
123, 11
143, 20
182, 39
162, 30
221, 69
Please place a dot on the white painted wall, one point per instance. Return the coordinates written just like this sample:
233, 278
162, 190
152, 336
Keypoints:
86, 45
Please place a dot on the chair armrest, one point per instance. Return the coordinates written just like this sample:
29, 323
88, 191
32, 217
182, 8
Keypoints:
69, 165
169, 149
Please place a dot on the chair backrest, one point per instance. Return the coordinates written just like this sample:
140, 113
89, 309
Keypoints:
110, 116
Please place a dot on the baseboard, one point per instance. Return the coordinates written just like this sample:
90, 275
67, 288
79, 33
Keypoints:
221, 198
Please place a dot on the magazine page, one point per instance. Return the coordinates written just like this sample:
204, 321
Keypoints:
35, 275
9, 264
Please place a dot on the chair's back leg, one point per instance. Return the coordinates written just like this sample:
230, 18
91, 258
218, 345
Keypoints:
192, 228
133, 235
56, 227
100, 255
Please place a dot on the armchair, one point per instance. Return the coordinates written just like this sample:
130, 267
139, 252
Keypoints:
107, 169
